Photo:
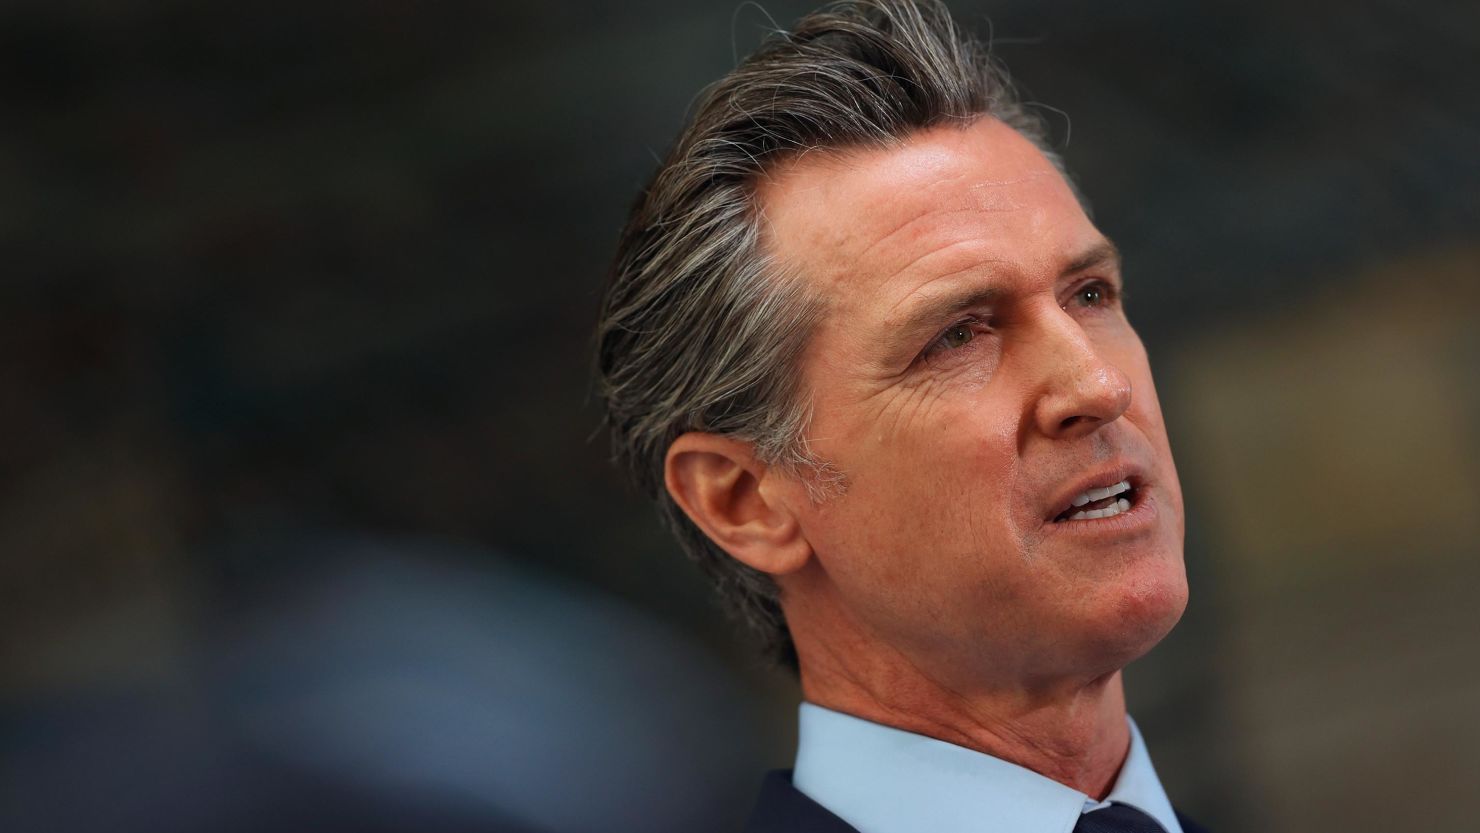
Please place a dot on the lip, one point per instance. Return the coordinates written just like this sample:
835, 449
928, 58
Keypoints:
1101, 477
1131, 524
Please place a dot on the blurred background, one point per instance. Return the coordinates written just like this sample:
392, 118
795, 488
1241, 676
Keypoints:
305, 522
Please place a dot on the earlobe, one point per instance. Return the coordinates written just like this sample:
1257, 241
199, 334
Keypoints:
731, 496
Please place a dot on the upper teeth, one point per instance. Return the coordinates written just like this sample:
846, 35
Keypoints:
1102, 493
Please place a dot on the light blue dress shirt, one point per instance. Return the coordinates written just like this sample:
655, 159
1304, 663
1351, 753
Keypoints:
885, 780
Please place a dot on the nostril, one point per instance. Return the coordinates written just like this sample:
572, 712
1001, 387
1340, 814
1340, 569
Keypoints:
1077, 421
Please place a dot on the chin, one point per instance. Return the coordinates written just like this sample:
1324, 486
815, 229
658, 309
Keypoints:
1139, 615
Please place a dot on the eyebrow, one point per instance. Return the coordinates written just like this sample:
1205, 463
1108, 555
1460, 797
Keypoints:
934, 310
1103, 253
946, 306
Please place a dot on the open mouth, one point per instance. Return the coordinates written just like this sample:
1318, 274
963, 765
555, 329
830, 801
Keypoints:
1103, 502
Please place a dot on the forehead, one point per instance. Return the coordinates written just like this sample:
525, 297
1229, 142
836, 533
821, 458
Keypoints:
947, 197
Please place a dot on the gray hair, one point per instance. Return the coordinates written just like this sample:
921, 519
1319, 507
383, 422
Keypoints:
701, 329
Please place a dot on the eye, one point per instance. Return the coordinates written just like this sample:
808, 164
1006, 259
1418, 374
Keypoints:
1092, 294
957, 336
956, 340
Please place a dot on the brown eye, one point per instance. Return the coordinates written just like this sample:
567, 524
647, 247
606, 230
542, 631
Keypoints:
958, 336
1091, 296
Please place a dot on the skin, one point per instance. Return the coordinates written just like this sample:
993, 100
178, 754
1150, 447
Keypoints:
974, 366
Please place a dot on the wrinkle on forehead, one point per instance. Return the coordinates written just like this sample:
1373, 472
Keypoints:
985, 197
978, 264
916, 207
1031, 177
854, 219
934, 216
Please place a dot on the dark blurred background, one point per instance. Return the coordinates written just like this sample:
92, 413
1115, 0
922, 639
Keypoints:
305, 521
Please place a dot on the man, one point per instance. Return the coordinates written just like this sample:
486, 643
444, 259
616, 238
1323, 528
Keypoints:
865, 348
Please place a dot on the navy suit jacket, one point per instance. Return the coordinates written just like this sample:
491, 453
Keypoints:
782, 808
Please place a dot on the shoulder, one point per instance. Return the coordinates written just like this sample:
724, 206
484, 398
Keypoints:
782, 808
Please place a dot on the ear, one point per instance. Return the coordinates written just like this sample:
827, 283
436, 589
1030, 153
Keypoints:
738, 501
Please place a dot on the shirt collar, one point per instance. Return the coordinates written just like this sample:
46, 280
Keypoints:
1138, 786
885, 780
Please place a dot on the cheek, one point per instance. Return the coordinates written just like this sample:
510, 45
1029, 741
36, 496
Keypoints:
935, 489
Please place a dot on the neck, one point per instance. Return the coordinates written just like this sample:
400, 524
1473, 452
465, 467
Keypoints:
1074, 732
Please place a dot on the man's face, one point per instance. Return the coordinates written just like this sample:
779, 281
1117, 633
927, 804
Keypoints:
973, 375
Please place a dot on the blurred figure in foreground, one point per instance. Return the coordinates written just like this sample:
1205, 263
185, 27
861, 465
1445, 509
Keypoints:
407, 685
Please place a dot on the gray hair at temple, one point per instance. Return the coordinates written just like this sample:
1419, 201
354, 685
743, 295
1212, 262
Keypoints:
701, 329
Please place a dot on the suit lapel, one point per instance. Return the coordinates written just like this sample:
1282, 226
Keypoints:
1188, 825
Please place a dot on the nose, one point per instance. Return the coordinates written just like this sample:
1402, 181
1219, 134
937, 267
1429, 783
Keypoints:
1081, 389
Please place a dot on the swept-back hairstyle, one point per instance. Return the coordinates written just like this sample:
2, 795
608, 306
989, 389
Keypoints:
700, 328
